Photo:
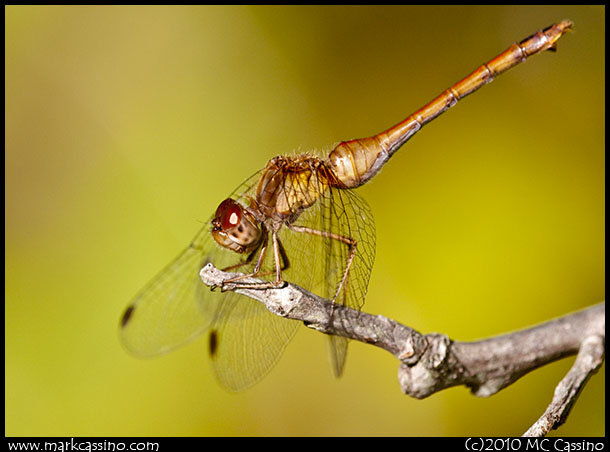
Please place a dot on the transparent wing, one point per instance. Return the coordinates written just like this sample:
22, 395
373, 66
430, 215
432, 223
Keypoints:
246, 341
166, 312
175, 307
318, 262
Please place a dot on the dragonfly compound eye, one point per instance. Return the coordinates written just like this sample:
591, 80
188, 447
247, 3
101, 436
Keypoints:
234, 228
228, 214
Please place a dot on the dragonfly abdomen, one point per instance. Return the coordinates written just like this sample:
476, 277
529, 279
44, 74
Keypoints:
355, 162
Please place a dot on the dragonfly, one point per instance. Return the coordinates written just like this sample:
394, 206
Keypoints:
299, 220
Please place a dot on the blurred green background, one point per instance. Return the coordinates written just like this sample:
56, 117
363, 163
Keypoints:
126, 126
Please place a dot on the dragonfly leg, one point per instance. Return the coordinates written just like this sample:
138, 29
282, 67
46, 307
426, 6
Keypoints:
351, 243
281, 263
257, 267
283, 256
247, 261
241, 264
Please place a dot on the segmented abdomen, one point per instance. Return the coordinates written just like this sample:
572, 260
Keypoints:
355, 162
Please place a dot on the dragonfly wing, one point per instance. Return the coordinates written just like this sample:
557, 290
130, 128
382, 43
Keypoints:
337, 350
175, 306
246, 341
350, 216
318, 262
167, 312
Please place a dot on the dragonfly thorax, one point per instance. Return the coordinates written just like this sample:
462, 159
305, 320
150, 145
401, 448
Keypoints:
289, 185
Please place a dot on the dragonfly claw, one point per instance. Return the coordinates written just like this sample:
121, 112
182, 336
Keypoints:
216, 286
224, 287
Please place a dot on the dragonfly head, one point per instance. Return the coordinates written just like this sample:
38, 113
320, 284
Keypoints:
235, 228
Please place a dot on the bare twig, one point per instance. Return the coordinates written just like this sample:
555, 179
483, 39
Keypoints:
588, 361
432, 362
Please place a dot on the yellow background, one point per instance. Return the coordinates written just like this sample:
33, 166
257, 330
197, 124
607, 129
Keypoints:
126, 126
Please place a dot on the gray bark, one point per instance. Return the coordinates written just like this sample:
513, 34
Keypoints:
431, 362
